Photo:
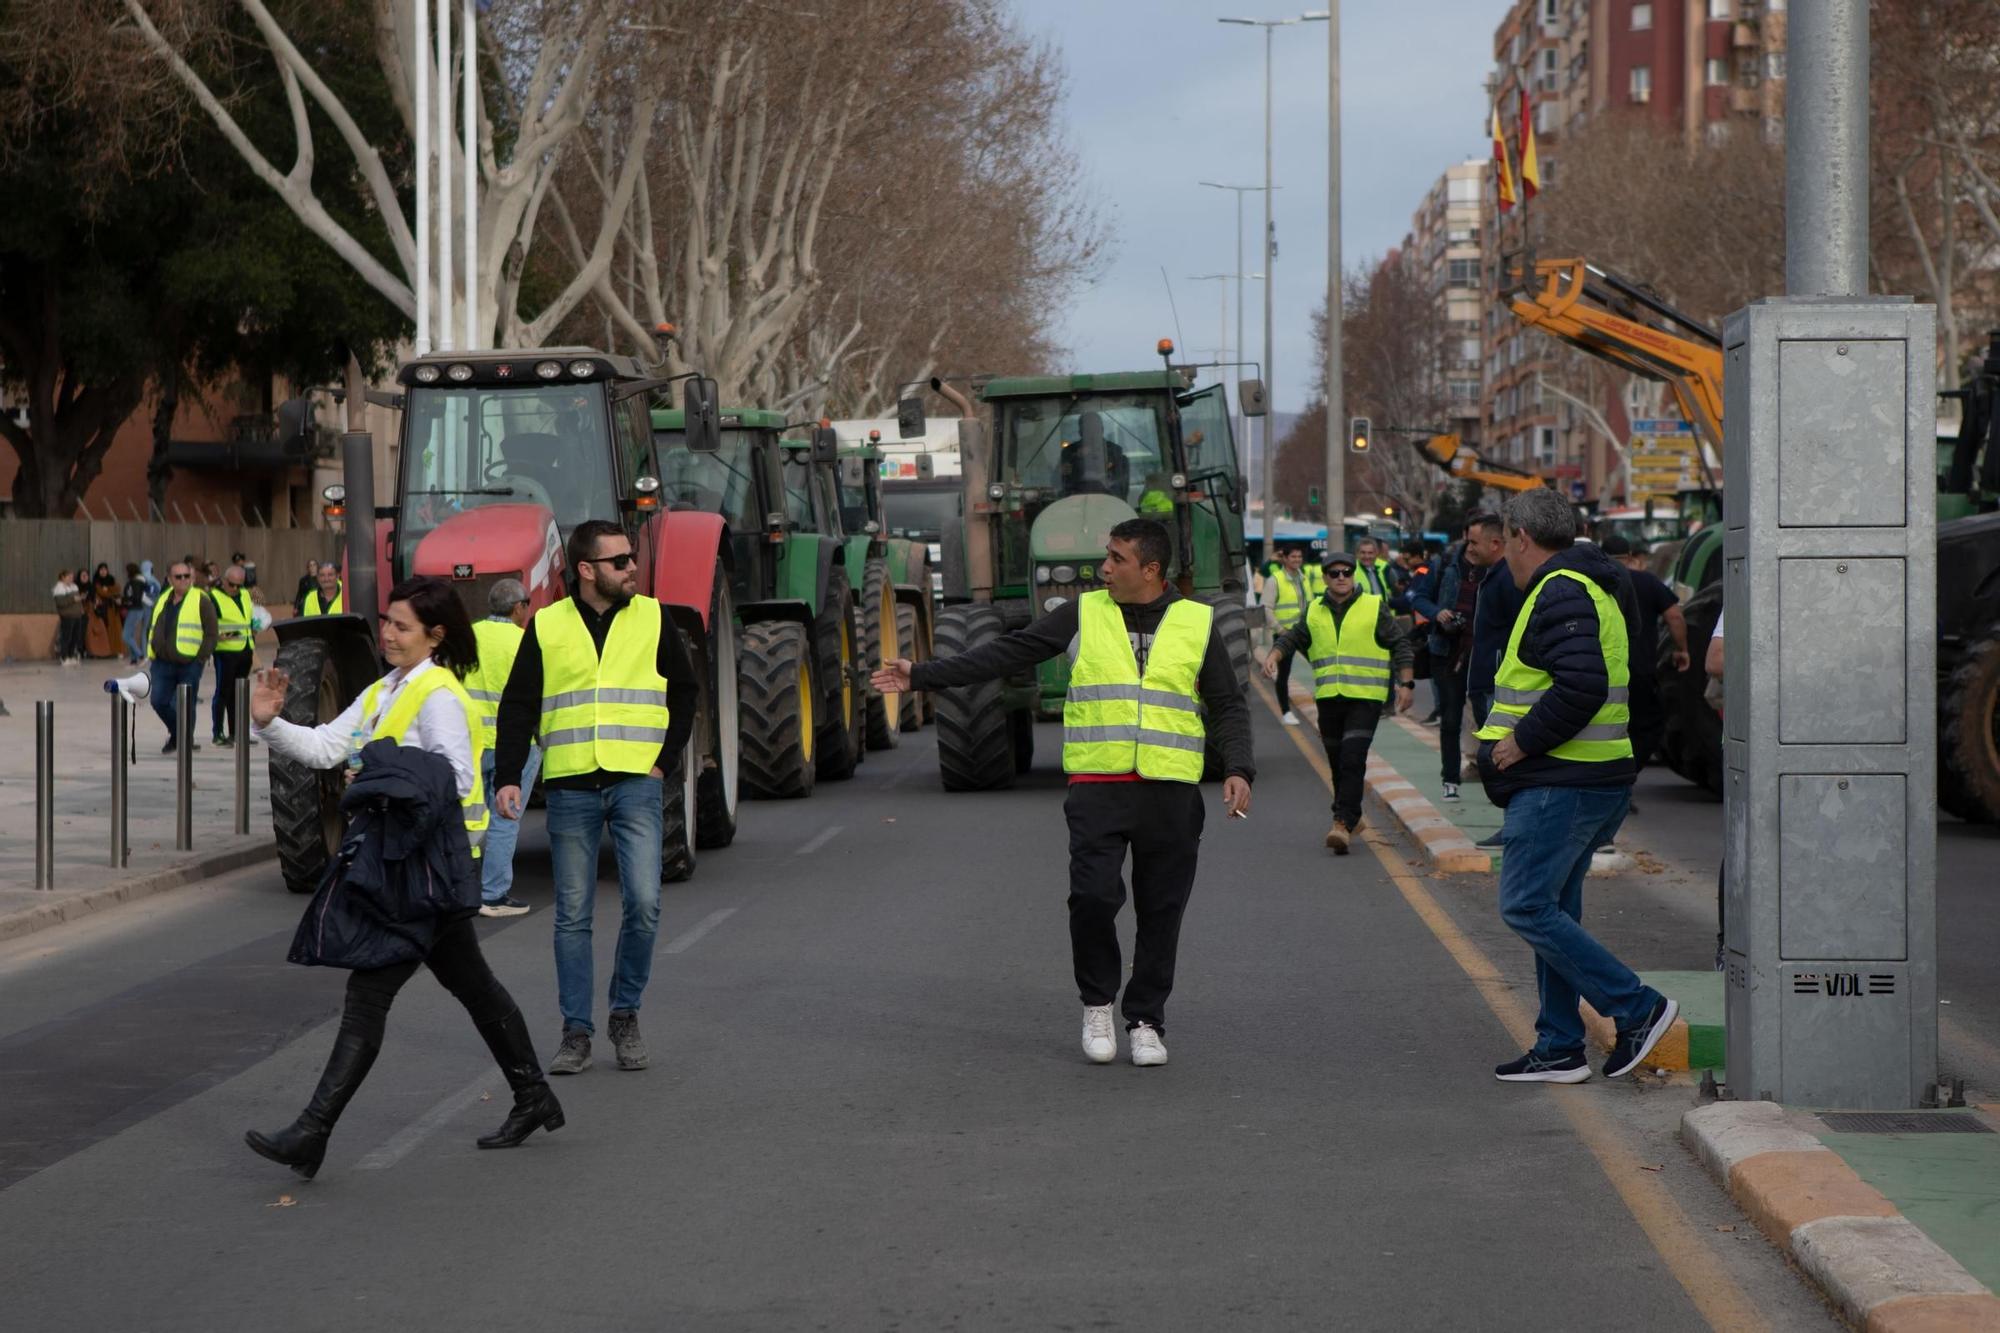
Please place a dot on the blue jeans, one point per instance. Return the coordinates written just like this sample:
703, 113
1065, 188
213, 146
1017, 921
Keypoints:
135, 634
576, 828
167, 676
496, 874
1548, 835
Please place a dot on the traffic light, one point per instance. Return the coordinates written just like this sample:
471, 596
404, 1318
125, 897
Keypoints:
1357, 435
1312, 495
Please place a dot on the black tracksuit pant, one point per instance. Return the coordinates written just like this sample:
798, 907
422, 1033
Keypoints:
1160, 824
1347, 729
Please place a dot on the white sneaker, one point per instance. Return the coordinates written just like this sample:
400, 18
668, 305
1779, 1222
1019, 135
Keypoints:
1147, 1048
1100, 1040
1451, 791
1291, 719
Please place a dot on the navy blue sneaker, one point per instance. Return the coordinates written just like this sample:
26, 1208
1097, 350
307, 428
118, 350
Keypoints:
1637, 1043
1532, 1068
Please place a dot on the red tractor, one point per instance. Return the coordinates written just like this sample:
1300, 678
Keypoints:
502, 453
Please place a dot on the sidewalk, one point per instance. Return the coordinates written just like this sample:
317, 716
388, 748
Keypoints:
84, 878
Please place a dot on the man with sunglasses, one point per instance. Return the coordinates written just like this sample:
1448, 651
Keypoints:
180, 641
604, 680
1356, 648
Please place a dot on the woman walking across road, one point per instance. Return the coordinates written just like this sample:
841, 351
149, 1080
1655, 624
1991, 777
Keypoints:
70, 611
428, 643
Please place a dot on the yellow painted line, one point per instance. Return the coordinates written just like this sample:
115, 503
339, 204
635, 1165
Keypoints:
1708, 1284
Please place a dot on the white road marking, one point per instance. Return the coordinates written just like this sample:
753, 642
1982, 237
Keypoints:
701, 928
406, 1139
820, 840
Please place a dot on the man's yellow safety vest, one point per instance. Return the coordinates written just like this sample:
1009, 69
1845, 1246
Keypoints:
1290, 604
313, 607
187, 627
604, 712
499, 641
1347, 662
395, 722
1518, 687
1116, 722
232, 622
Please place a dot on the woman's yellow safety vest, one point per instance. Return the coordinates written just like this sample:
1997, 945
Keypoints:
1518, 687
604, 712
232, 623
1114, 721
313, 608
395, 724
1289, 602
499, 642
1347, 662
187, 628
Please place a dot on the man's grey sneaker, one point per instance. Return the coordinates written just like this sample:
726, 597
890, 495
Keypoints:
1532, 1068
506, 905
573, 1056
1637, 1044
626, 1042
1147, 1048
1451, 791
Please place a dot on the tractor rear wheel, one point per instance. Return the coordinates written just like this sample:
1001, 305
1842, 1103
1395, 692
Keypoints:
779, 697
842, 733
1969, 736
1232, 622
305, 802
975, 745
1691, 732
716, 781
910, 703
881, 641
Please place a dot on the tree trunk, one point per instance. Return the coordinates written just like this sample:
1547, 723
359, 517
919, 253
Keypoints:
158, 470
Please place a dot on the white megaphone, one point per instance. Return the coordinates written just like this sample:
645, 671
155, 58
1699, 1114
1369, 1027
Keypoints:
133, 689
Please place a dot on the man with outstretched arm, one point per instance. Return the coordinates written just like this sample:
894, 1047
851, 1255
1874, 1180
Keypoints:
1151, 688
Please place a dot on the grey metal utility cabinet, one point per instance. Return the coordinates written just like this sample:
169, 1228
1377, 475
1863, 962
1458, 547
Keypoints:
1830, 723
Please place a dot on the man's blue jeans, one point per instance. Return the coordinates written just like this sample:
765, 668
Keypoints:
496, 855
1548, 837
135, 634
167, 676
577, 819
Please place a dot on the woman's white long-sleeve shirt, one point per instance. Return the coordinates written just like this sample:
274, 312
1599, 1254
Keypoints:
440, 727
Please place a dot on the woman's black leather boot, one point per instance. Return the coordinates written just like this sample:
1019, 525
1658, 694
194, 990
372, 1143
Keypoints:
535, 1107
301, 1145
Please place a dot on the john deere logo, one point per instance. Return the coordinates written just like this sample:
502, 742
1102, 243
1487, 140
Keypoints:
461, 571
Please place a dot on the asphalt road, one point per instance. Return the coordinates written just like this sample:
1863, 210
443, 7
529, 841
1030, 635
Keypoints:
867, 1110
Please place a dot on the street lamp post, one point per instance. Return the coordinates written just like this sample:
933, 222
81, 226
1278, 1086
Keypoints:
1270, 269
1242, 422
1336, 385
1222, 332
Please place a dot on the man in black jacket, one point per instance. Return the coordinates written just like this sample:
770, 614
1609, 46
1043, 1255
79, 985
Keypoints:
1143, 799
1557, 754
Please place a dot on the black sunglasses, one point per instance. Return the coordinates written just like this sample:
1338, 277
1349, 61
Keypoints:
621, 561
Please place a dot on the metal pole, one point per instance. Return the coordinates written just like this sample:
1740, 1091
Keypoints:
45, 794
446, 329
1336, 388
1242, 422
240, 728
357, 450
1270, 266
121, 737
471, 130
131, 734
183, 768
1826, 151
422, 62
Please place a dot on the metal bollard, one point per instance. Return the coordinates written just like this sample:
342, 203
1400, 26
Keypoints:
45, 794
121, 792
184, 768
241, 724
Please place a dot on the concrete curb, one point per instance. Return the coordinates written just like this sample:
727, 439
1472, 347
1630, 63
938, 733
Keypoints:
27, 921
1883, 1273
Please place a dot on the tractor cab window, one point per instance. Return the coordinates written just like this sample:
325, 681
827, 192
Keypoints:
919, 514
718, 483
1205, 433
1044, 447
853, 495
468, 448
798, 492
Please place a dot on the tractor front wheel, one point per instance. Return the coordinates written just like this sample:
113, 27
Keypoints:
842, 733
305, 802
974, 731
779, 696
1969, 736
910, 703
881, 641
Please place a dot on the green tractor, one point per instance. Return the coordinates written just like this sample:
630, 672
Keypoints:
894, 576
800, 675
1069, 458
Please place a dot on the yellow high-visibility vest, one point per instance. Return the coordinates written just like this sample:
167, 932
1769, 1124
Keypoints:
232, 622
1116, 722
1347, 662
1518, 687
313, 607
395, 722
604, 712
187, 626
499, 641
1290, 604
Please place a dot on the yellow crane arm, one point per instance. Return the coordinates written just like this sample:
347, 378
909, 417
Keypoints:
1449, 453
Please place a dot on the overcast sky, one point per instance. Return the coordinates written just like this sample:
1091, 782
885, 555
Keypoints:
1161, 96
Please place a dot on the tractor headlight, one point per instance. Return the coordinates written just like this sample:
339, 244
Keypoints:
1051, 603
583, 370
1041, 573
459, 373
425, 374
548, 370
1063, 573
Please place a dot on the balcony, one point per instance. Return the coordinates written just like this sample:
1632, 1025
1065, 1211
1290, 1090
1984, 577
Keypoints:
1744, 35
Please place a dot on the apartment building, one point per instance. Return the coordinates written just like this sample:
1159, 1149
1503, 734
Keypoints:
1446, 247
1703, 65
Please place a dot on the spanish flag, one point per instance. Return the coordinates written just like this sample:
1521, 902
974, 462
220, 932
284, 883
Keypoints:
1503, 171
1531, 167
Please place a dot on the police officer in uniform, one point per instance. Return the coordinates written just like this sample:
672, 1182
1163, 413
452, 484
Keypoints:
1355, 647
1151, 688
